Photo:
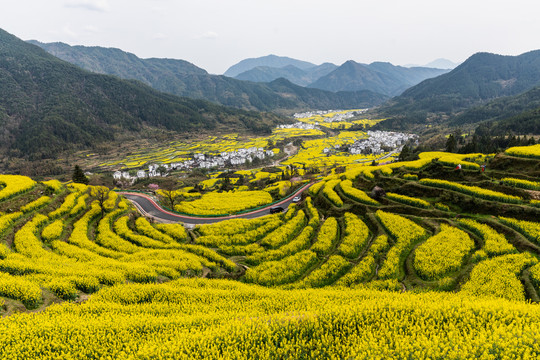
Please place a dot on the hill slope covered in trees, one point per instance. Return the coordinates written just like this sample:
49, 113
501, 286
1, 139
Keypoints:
481, 78
48, 105
181, 78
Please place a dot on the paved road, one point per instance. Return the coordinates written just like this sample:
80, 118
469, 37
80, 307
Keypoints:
149, 207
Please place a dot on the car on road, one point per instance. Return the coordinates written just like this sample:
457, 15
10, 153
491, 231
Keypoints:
276, 209
296, 199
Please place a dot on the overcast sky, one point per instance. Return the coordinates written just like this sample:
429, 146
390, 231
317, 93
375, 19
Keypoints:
215, 34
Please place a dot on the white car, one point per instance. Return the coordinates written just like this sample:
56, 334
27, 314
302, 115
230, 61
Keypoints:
296, 199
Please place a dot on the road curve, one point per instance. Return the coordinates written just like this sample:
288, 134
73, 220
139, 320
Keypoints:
149, 207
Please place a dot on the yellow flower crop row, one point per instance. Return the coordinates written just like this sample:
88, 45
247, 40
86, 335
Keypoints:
410, 177
54, 185
355, 238
494, 243
299, 243
80, 205
328, 191
472, 190
281, 186
53, 231
63, 289
121, 228
282, 271
176, 231
441, 206
425, 158
31, 206
520, 183
7, 220
408, 200
233, 226
530, 229
77, 187
69, 203
313, 213
110, 203
79, 235
109, 239
20, 289
225, 203
406, 233
286, 232
26, 241
315, 188
241, 249
242, 238
329, 272
362, 271
442, 253
534, 273
209, 183
209, 254
356, 194
326, 237
498, 277
455, 160
14, 185
203, 319
144, 227
532, 151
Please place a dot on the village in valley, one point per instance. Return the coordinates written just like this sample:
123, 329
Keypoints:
377, 143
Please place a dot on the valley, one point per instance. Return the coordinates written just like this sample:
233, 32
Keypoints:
285, 209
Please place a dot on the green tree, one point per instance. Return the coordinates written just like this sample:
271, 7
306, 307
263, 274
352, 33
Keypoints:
405, 153
78, 176
451, 143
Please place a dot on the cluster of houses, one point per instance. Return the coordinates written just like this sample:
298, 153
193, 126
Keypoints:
199, 161
298, 125
340, 116
381, 141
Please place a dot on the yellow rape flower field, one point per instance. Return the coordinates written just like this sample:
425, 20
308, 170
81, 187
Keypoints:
405, 260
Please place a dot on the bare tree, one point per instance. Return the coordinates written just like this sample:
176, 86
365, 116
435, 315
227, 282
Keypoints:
101, 193
170, 196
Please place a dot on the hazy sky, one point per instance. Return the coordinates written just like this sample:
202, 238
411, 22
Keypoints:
215, 34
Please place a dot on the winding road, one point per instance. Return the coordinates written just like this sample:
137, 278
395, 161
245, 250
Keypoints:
149, 207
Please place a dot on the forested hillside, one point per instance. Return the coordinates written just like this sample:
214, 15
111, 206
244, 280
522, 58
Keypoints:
481, 78
48, 105
181, 78
380, 77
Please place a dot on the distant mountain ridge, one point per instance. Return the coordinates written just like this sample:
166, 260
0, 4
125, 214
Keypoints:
290, 72
441, 64
273, 61
182, 78
123, 64
380, 77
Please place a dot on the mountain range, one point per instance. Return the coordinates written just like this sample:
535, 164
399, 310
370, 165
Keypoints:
48, 106
182, 78
302, 77
380, 77
472, 92
272, 61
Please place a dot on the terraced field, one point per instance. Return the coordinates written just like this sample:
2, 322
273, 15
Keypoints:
465, 232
